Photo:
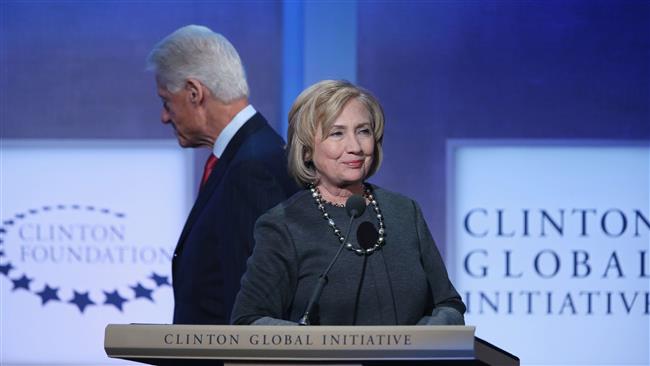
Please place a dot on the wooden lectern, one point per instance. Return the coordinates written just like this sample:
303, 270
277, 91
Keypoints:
299, 345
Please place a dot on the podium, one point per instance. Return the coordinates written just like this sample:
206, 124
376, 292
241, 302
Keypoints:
160, 344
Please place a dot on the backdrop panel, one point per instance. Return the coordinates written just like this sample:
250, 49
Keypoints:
87, 233
552, 250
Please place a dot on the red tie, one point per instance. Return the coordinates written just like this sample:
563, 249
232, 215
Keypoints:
209, 165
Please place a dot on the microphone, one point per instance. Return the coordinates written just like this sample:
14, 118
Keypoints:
354, 206
367, 235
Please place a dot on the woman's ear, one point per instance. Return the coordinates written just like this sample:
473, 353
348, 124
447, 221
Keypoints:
306, 156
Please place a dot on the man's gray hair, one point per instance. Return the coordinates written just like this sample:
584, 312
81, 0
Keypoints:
197, 52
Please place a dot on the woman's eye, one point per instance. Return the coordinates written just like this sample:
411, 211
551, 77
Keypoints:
336, 133
365, 131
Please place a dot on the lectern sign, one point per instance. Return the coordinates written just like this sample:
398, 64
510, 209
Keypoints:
280, 338
282, 343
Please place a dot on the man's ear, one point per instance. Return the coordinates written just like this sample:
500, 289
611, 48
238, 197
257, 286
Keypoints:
195, 91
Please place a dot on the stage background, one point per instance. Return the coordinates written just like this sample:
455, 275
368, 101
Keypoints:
543, 70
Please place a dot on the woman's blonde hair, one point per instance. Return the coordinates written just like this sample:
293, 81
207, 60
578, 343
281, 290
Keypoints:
318, 107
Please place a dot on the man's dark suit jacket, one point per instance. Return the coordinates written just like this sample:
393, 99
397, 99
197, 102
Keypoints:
210, 257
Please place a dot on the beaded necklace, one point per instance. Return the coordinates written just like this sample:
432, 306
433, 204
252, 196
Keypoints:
320, 203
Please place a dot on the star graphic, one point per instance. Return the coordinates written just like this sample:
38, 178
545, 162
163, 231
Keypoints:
81, 300
114, 299
141, 291
48, 293
160, 280
5, 268
22, 282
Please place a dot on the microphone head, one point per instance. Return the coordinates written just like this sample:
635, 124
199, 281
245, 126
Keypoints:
355, 205
367, 235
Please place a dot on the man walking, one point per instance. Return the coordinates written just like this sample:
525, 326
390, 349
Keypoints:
202, 84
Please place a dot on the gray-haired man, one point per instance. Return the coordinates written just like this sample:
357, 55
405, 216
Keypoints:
202, 84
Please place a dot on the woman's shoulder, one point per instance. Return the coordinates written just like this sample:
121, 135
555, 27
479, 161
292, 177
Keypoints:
297, 217
292, 206
392, 200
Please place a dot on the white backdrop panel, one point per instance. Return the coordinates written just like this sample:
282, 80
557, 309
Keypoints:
550, 247
88, 230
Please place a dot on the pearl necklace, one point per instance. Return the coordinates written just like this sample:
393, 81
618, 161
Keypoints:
315, 193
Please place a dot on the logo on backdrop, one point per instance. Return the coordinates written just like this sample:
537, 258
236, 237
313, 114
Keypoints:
573, 245
75, 254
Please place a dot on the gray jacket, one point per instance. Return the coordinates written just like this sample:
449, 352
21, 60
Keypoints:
403, 283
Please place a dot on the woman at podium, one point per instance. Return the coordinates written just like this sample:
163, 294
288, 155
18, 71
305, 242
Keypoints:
387, 271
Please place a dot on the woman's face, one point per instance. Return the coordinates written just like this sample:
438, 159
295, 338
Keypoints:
344, 155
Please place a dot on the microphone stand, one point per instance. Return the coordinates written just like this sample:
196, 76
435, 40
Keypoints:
322, 280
